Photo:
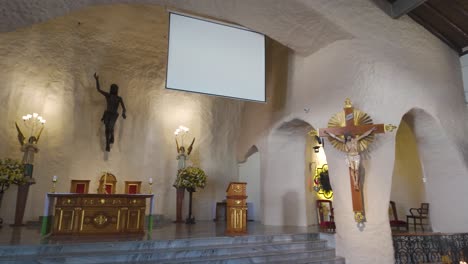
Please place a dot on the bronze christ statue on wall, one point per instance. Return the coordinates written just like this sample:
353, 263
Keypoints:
111, 114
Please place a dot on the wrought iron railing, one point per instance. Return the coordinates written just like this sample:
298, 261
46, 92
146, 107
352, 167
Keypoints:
430, 248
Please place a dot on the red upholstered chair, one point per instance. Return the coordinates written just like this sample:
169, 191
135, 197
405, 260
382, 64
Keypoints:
396, 222
79, 186
325, 216
132, 187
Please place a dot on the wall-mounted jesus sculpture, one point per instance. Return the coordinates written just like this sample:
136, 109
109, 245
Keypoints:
111, 114
353, 158
351, 131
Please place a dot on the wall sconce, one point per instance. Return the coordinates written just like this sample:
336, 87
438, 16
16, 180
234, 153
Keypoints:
316, 149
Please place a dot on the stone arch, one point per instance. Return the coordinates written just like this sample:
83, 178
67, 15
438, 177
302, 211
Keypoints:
408, 189
285, 199
443, 170
252, 150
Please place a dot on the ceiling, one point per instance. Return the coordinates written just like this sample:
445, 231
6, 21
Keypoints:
446, 19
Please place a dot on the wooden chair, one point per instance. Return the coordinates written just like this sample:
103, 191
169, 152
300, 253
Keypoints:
396, 222
420, 214
325, 216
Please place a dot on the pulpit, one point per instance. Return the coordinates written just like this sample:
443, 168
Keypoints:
236, 210
96, 214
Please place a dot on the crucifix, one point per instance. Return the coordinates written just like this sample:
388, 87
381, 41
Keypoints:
352, 131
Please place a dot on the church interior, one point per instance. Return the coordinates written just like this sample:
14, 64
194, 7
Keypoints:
386, 75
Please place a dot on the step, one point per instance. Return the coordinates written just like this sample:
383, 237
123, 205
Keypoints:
258, 257
275, 249
85, 248
172, 253
261, 257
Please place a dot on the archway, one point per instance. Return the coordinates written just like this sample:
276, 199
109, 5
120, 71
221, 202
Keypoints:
442, 172
287, 167
408, 187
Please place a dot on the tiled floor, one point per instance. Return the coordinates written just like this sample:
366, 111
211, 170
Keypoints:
30, 235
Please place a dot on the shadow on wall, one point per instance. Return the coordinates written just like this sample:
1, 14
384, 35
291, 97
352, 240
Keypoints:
284, 174
276, 70
252, 150
249, 172
290, 208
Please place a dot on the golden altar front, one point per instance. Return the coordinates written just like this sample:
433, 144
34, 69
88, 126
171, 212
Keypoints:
96, 214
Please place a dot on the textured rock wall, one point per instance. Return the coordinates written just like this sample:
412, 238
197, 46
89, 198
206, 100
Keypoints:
47, 68
389, 68
339, 50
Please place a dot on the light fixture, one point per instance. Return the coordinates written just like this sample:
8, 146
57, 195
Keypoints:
34, 123
181, 132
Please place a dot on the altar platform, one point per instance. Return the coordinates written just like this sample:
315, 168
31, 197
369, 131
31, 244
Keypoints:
203, 242
30, 234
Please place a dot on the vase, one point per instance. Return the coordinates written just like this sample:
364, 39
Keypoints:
179, 204
190, 219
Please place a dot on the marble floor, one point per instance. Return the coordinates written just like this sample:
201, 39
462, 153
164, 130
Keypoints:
30, 235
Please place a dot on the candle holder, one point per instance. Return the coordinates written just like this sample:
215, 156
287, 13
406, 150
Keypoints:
150, 184
54, 182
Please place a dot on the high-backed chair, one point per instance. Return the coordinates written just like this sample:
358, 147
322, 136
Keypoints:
396, 223
79, 186
418, 215
325, 215
132, 187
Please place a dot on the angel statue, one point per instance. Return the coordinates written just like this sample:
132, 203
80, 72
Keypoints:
181, 155
29, 148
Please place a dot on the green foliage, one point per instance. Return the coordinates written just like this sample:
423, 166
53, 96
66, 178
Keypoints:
190, 178
11, 172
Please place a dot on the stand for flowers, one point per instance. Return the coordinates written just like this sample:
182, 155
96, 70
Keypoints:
190, 178
190, 219
179, 204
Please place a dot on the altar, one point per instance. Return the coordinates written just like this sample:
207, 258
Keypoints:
96, 214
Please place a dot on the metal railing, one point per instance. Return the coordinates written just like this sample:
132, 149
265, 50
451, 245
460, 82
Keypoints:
430, 248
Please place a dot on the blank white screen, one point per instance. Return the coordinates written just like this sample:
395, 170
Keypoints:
205, 57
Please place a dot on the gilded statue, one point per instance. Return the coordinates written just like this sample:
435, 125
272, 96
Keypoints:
29, 148
353, 158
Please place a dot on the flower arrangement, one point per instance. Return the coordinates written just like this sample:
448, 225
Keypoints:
11, 172
325, 181
322, 182
190, 178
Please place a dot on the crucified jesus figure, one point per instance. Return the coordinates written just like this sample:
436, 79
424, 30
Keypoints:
352, 152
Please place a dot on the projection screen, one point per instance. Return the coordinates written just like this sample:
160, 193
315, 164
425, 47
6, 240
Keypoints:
217, 59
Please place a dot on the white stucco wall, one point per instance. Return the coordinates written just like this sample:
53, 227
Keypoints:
249, 172
286, 200
47, 68
464, 65
338, 50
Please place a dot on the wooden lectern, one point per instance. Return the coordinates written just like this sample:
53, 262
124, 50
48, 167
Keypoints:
236, 208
